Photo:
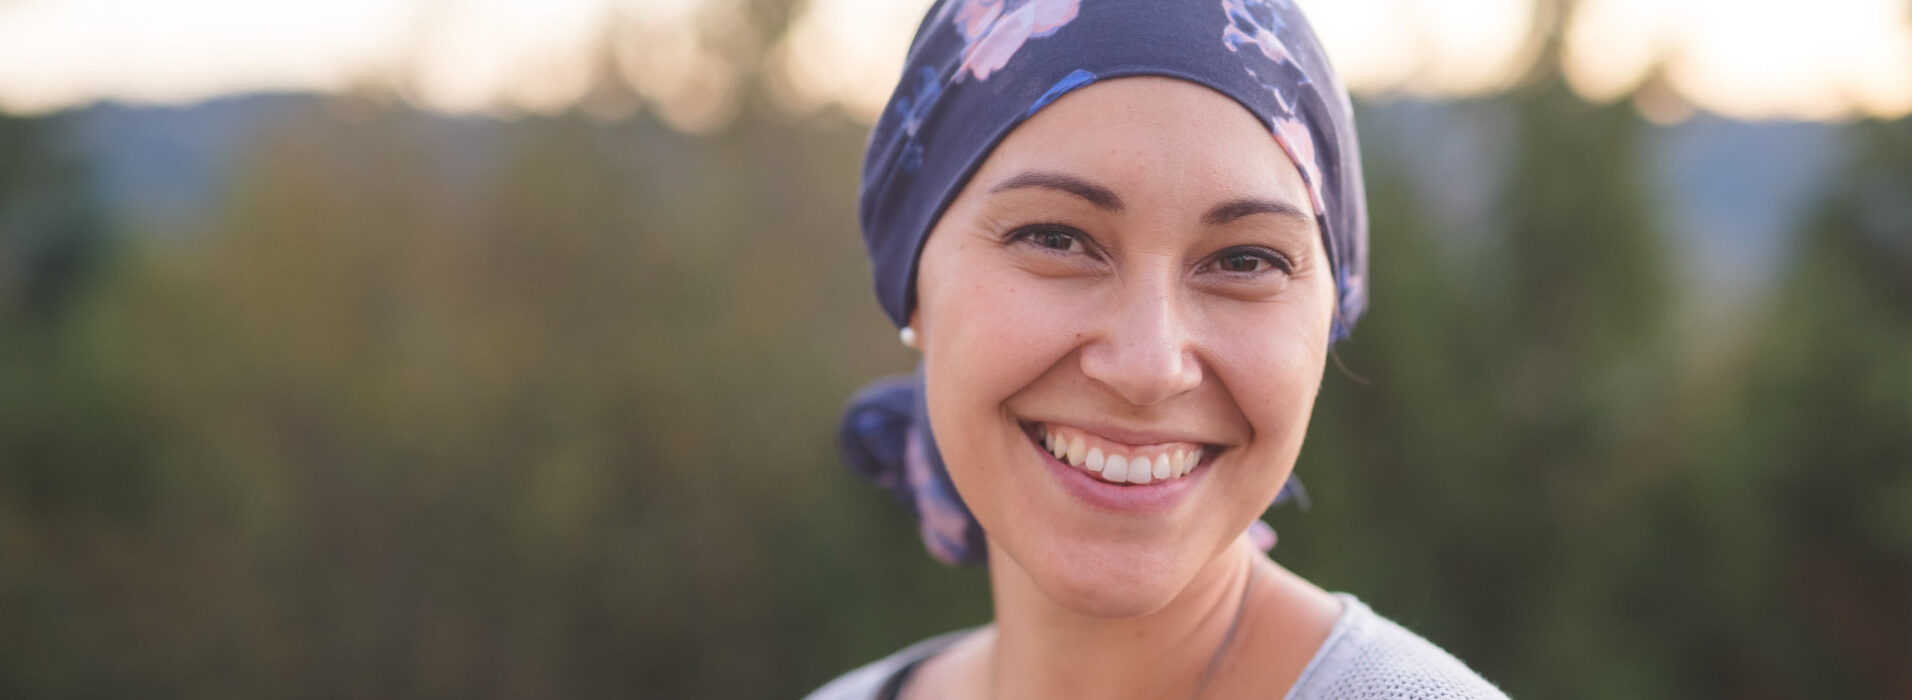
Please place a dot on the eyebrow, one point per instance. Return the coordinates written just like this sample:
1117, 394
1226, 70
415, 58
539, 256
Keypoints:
1107, 200
1249, 206
1102, 197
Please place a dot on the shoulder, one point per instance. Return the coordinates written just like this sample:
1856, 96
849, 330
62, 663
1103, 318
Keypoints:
1369, 656
881, 678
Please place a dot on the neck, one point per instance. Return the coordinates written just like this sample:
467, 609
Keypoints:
1042, 649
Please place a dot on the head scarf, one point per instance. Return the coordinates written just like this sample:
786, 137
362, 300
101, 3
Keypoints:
976, 70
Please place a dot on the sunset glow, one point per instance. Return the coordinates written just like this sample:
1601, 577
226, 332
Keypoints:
1752, 59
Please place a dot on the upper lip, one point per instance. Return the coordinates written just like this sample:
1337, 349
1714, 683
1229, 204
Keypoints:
1134, 436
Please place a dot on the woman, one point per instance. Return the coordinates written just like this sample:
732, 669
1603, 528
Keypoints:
1123, 235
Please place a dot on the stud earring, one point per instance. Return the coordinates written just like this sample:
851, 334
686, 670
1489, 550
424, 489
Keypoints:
908, 336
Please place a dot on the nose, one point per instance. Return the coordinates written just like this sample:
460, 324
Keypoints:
1143, 348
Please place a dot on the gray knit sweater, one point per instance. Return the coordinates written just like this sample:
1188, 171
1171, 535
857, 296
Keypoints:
1365, 657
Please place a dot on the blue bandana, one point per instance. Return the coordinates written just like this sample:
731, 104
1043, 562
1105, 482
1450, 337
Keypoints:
976, 70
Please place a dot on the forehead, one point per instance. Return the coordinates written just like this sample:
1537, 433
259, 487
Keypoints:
1151, 138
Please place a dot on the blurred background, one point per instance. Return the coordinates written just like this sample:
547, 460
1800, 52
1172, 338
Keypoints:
494, 348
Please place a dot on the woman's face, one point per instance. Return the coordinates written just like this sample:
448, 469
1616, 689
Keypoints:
1136, 271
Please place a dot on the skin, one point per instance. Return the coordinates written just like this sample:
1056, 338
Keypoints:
1182, 294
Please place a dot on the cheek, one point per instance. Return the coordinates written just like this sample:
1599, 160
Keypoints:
995, 334
1272, 368
1284, 373
988, 333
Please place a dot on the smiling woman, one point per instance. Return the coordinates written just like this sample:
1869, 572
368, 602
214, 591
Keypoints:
1124, 237
1143, 318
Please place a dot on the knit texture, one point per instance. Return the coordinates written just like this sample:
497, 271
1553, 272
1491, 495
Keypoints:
1366, 657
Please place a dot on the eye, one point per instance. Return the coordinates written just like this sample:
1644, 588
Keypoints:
1251, 261
1243, 262
1061, 239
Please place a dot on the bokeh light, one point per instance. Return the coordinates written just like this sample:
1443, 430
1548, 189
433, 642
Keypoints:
1756, 60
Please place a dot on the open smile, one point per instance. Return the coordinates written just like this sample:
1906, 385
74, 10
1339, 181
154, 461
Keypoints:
1118, 463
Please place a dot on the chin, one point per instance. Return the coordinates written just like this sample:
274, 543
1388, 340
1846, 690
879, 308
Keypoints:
1110, 580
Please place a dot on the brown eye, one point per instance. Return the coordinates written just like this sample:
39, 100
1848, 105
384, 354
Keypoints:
1058, 240
1061, 239
1252, 260
1244, 262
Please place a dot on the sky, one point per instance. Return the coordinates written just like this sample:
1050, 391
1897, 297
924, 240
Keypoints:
1742, 59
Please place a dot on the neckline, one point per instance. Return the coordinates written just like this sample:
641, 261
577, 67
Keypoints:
912, 657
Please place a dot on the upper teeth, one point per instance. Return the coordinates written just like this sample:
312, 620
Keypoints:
1118, 463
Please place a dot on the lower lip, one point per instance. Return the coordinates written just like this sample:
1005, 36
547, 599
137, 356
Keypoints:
1133, 499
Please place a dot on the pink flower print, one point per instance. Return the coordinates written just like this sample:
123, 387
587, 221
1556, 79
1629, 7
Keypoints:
1300, 146
1245, 28
944, 521
996, 34
974, 16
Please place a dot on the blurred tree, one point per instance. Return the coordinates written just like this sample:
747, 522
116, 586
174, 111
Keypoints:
51, 236
1793, 529
68, 446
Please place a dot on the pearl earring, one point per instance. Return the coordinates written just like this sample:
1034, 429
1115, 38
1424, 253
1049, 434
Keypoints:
908, 336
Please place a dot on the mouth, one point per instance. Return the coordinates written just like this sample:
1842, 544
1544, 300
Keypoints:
1119, 463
